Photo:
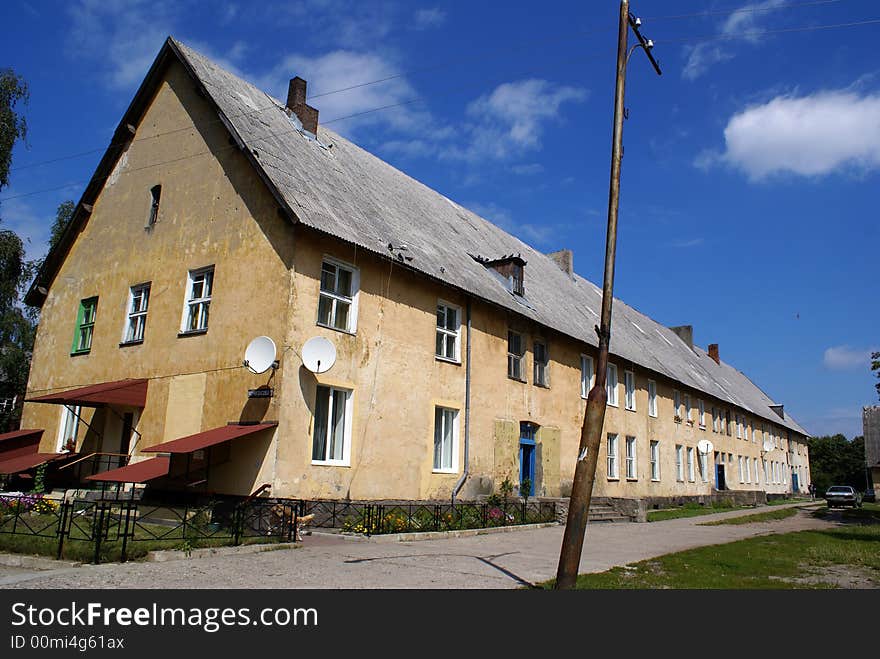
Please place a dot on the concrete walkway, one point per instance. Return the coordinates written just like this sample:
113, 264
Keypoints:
503, 560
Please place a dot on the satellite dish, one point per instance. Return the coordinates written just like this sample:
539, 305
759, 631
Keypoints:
259, 356
318, 354
704, 446
768, 446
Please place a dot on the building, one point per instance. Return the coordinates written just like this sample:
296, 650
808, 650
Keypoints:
871, 426
464, 356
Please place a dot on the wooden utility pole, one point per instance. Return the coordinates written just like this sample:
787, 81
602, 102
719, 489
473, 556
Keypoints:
594, 418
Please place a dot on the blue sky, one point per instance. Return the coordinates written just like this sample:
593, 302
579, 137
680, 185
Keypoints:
747, 201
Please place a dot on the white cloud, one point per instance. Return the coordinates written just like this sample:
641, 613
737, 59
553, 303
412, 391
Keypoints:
684, 244
843, 358
740, 25
808, 135
511, 119
528, 169
428, 18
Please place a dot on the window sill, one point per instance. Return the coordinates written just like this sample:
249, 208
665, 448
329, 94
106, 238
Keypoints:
613, 478
337, 329
652, 416
180, 335
630, 409
612, 405
655, 480
543, 386
515, 379
702, 427
78, 353
125, 344
325, 463
445, 472
632, 480
447, 360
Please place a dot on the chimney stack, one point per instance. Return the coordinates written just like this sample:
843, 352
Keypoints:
564, 258
296, 103
713, 352
685, 333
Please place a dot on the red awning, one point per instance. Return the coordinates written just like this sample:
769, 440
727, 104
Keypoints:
208, 438
132, 393
17, 434
25, 462
139, 472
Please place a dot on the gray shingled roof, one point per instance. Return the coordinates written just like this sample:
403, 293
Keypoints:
347, 192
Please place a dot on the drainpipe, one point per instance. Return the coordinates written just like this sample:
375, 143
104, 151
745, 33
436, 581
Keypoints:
467, 407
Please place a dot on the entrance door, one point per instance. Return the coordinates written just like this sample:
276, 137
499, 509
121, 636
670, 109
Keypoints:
527, 457
720, 483
794, 482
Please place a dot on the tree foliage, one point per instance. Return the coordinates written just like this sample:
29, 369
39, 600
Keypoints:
835, 460
13, 126
62, 219
875, 366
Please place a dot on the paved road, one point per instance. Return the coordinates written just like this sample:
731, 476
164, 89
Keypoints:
501, 560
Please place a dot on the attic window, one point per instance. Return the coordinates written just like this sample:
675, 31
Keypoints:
155, 194
511, 268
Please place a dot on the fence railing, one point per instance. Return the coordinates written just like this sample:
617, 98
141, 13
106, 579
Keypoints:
120, 529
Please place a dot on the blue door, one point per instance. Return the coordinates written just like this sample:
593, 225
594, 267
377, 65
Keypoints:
720, 483
527, 456
794, 482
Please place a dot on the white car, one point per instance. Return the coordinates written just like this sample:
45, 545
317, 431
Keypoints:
843, 495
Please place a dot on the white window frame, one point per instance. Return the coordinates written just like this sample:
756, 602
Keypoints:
629, 383
739, 426
516, 358
676, 401
690, 465
632, 472
445, 334
655, 460
199, 305
70, 416
345, 460
445, 413
704, 466
541, 370
337, 298
742, 473
611, 385
687, 409
586, 375
701, 409
137, 318
748, 469
652, 398
679, 463
611, 461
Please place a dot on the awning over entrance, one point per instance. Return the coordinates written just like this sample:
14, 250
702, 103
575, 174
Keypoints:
131, 393
209, 438
20, 434
24, 462
139, 472
19, 442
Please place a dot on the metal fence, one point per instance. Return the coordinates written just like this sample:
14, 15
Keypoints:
117, 529
410, 517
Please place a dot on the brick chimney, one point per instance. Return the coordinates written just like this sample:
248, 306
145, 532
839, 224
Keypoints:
564, 258
713, 352
296, 103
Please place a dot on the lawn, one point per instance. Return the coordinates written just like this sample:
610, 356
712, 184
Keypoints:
692, 510
757, 517
805, 559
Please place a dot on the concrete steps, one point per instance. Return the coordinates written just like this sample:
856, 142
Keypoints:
600, 512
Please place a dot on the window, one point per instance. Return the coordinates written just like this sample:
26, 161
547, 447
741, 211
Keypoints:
655, 461
742, 473
516, 277
337, 301
612, 456
739, 427
755, 462
727, 422
69, 428
155, 194
611, 384
679, 462
85, 325
676, 401
714, 419
652, 398
748, 466
701, 407
690, 463
687, 408
586, 375
199, 288
445, 440
542, 363
631, 472
629, 380
515, 353
138, 301
448, 330
332, 434
704, 466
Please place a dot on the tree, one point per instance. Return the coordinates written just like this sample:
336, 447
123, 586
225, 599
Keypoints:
834, 460
16, 324
62, 219
875, 366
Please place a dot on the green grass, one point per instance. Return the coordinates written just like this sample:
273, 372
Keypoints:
869, 513
764, 562
691, 510
780, 502
757, 517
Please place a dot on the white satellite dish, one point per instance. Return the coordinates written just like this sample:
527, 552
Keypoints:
318, 354
704, 446
768, 446
259, 356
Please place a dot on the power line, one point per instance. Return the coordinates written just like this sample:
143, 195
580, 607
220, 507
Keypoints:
741, 10
761, 33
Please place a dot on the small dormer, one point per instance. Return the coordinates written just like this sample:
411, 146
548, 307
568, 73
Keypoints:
511, 268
